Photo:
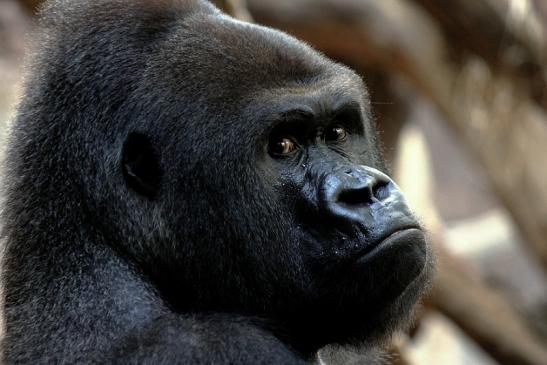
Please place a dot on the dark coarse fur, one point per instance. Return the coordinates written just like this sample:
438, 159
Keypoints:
207, 258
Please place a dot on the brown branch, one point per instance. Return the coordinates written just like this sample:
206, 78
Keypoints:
459, 292
236, 8
484, 315
30, 5
511, 38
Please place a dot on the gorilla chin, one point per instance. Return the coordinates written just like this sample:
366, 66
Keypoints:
403, 250
400, 265
371, 295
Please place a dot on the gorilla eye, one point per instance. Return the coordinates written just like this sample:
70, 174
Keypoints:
336, 134
284, 146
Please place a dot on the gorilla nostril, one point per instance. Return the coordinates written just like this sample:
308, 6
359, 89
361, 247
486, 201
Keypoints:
355, 197
380, 190
375, 191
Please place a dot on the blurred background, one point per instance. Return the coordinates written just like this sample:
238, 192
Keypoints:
459, 92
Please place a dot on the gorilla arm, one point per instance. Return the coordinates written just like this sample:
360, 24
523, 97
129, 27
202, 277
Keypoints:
100, 309
166, 337
212, 339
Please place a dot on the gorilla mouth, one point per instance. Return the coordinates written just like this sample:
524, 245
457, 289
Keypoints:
402, 235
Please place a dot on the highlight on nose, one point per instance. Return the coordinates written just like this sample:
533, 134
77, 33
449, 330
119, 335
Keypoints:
348, 193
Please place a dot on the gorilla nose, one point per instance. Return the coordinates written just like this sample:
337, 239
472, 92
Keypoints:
350, 193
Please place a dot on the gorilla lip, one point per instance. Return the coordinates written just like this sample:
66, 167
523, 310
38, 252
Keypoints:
371, 250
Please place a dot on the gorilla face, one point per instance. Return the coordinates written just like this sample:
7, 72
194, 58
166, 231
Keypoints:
257, 186
354, 244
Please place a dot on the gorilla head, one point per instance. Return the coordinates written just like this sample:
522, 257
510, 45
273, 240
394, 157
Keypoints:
257, 157
235, 168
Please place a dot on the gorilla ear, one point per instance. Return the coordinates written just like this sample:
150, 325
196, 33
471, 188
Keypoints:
140, 165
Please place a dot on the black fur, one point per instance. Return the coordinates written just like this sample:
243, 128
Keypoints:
146, 218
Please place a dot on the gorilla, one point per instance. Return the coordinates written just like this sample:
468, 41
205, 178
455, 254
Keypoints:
185, 188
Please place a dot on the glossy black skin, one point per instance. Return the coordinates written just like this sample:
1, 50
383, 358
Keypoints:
150, 218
